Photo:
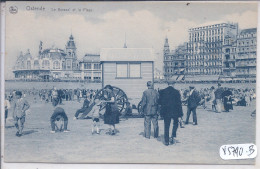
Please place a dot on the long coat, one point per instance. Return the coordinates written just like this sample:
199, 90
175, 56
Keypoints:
170, 101
111, 115
193, 99
149, 102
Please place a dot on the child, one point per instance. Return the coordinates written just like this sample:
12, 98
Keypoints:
7, 107
57, 115
20, 106
95, 115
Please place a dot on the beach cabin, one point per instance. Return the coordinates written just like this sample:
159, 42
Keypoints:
128, 69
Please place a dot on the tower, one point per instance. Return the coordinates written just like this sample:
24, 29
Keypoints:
40, 48
125, 46
71, 48
166, 49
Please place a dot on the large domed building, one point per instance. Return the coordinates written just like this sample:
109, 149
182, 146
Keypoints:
50, 64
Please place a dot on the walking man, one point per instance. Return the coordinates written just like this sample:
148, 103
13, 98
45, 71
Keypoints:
149, 106
218, 97
171, 108
193, 101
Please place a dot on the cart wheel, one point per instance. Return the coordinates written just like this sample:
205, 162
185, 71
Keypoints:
120, 95
139, 108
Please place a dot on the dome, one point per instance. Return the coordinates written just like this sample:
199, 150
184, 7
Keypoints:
53, 53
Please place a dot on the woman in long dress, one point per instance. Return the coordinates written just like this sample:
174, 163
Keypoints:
111, 116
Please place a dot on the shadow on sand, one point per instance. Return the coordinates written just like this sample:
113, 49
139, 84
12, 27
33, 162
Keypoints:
29, 132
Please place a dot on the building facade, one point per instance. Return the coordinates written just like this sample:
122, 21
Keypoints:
90, 68
205, 48
229, 51
246, 53
174, 61
220, 50
57, 64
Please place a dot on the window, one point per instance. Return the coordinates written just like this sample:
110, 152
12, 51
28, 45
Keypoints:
121, 70
45, 64
68, 64
36, 64
87, 66
135, 70
56, 65
96, 66
128, 70
28, 64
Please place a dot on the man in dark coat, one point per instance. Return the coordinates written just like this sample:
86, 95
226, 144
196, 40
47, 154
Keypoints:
192, 103
171, 108
149, 106
218, 97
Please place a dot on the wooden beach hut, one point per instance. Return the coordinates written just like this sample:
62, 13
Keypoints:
128, 69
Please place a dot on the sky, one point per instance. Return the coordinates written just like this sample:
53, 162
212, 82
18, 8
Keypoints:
108, 24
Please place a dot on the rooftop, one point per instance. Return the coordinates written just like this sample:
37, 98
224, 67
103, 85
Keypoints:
248, 31
91, 58
127, 54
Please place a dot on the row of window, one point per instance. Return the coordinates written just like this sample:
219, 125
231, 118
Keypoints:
128, 70
175, 64
242, 43
205, 64
207, 33
46, 64
207, 39
97, 66
247, 35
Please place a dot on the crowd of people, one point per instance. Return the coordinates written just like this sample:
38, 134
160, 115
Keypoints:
46, 95
166, 103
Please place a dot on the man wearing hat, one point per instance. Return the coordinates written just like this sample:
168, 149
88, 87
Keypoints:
193, 101
171, 108
20, 106
218, 97
149, 107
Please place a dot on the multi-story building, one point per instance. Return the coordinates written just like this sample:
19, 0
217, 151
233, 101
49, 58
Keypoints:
246, 53
229, 57
205, 48
58, 64
174, 61
90, 67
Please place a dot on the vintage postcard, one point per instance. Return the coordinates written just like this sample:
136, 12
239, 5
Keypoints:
130, 82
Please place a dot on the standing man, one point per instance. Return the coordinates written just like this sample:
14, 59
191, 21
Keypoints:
193, 101
149, 108
218, 97
171, 108
20, 106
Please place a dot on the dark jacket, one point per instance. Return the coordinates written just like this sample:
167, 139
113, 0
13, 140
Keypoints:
194, 99
218, 93
149, 102
86, 103
170, 101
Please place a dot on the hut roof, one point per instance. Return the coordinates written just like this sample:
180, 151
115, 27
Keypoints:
127, 54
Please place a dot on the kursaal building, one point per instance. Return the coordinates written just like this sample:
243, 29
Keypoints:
58, 64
